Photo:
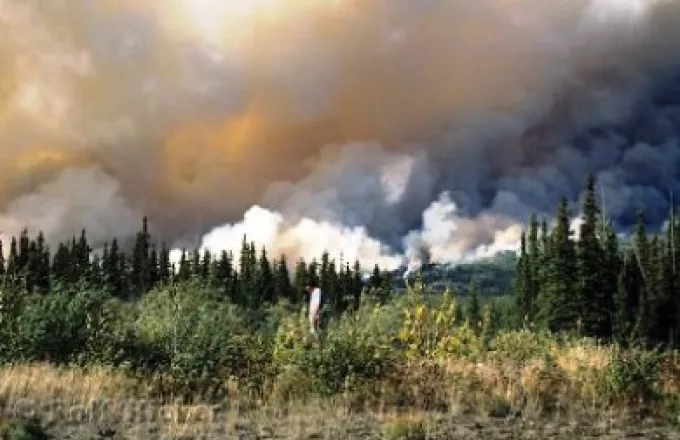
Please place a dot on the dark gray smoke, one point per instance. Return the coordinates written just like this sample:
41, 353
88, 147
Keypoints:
375, 129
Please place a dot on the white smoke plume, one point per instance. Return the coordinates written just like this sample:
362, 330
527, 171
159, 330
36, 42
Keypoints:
379, 130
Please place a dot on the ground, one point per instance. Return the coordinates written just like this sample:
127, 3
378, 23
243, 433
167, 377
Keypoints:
137, 420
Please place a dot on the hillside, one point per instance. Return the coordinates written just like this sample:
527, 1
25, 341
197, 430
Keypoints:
494, 276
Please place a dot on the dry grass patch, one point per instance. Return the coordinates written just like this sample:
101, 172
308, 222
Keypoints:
46, 382
491, 390
568, 378
573, 359
565, 381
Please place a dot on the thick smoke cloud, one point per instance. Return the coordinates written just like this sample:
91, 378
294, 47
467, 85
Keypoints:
374, 129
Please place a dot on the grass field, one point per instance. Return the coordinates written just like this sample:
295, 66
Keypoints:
458, 398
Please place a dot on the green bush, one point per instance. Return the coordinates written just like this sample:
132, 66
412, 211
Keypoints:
347, 353
201, 341
633, 376
56, 327
117, 341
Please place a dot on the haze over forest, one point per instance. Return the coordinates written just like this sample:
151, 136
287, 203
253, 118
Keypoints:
377, 130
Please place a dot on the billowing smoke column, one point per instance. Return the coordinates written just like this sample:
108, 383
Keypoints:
379, 130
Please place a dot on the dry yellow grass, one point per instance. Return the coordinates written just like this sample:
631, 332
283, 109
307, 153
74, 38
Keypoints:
575, 379
97, 396
41, 381
578, 357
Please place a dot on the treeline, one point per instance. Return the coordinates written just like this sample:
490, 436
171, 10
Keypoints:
597, 285
252, 280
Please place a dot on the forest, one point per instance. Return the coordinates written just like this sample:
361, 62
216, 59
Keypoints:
590, 324
598, 285
595, 285
253, 281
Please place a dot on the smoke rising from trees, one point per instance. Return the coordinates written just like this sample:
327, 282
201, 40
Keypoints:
375, 129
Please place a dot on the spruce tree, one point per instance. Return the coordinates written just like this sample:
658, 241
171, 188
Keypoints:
164, 266
659, 291
324, 280
184, 272
265, 280
313, 272
124, 278
154, 269
23, 254
233, 282
13, 263
60, 264
376, 278
97, 272
220, 272
105, 259
543, 303
562, 308
206, 264
81, 256
357, 283
3, 267
282, 282
141, 270
247, 275
667, 311
33, 261
534, 264
634, 282
345, 286
42, 276
72, 268
334, 288
675, 257
523, 284
594, 300
612, 279
113, 270
473, 307
195, 265
642, 252
621, 320
300, 281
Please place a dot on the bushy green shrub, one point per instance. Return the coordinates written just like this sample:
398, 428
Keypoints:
56, 327
272, 316
632, 376
202, 340
114, 341
347, 353
11, 305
